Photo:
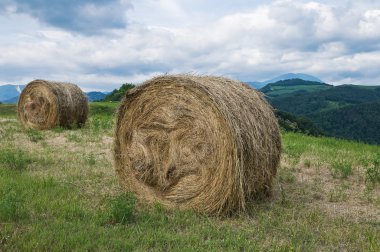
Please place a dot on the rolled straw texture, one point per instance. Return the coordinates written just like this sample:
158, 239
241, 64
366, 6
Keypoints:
47, 104
206, 143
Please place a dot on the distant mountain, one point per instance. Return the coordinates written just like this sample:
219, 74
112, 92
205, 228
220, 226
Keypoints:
10, 92
288, 76
95, 96
12, 100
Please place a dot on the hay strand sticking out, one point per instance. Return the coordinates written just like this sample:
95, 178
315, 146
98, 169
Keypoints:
206, 143
46, 104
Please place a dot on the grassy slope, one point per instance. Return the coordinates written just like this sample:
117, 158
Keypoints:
58, 191
331, 99
348, 111
281, 91
293, 86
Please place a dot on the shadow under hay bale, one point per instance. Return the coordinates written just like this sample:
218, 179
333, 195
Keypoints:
46, 104
206, 143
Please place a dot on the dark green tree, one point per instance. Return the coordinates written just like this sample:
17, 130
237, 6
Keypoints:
118, 94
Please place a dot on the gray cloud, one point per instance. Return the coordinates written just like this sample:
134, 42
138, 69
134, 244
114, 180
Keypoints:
85, 16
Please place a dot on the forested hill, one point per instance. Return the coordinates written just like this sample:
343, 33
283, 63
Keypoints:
357, 122
293, 86
346, 111
319, 101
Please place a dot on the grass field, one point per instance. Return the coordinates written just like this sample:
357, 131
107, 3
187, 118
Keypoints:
58, 191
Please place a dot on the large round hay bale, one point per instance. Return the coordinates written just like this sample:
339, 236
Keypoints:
206, 143
46, 104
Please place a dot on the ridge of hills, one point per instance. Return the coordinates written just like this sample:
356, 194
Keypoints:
345, 111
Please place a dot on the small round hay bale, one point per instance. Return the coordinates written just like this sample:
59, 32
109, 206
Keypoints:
46, 104
206, 143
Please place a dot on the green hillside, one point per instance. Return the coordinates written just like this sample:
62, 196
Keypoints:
293, 86
357, 122
346, 111
332, 98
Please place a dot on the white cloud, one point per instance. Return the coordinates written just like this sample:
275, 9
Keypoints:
370, 23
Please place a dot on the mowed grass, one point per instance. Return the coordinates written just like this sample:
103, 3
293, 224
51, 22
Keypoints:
58, 191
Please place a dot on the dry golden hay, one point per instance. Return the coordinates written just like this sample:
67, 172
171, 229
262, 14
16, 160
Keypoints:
206, 143
46, 104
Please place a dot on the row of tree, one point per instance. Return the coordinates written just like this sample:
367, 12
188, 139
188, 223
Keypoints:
118, 94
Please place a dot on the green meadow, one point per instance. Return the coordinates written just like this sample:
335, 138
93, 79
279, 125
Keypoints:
59, 191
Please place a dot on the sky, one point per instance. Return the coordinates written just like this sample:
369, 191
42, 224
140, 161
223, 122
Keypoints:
102, 44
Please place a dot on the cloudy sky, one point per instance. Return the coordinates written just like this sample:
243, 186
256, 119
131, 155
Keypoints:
104, 43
